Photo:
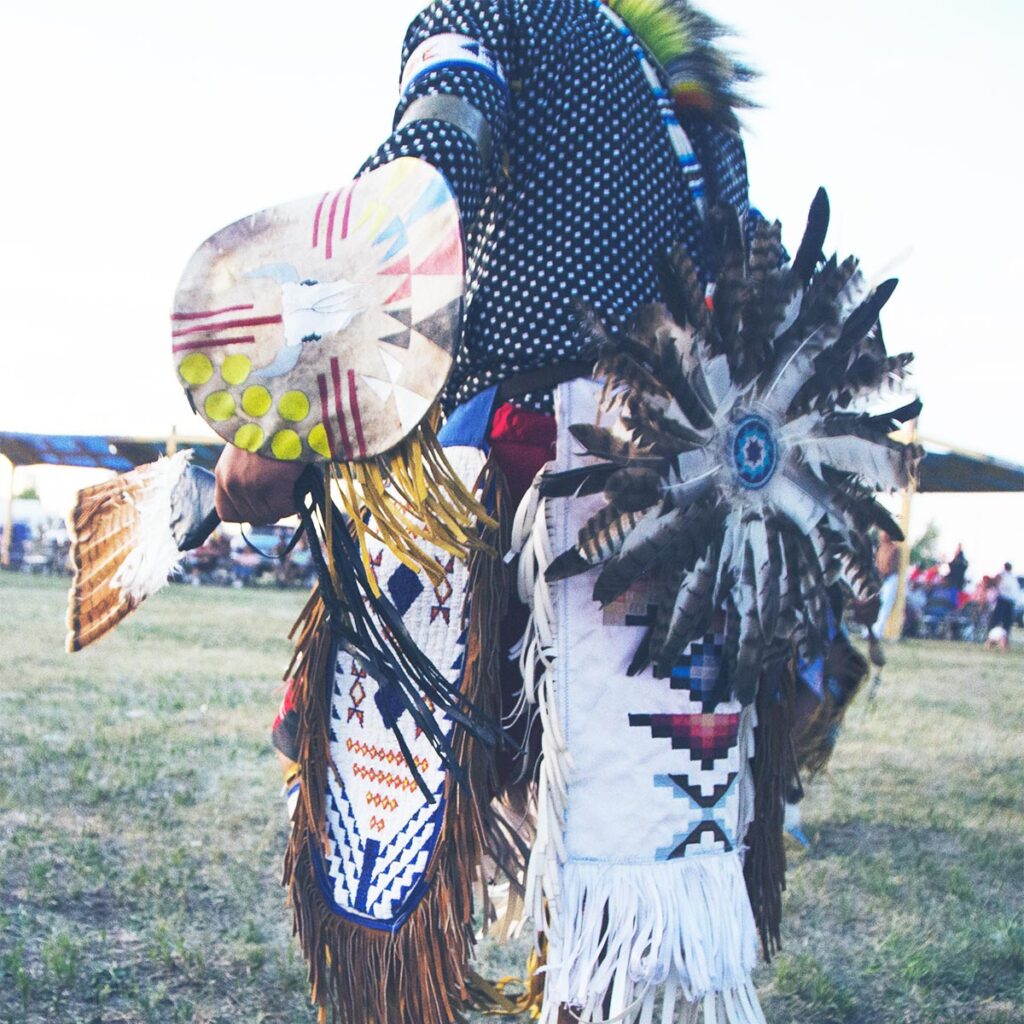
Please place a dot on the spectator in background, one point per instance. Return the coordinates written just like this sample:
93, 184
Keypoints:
1008, 595
917, 600
887, 560
957, 575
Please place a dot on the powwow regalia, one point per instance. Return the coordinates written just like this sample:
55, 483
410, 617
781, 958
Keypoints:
560, 217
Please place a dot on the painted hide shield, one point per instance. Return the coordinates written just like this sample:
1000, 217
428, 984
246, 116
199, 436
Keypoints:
325, 328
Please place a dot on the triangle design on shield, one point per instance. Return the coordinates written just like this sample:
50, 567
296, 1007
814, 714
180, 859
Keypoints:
442, 327
403, 316
402, 292
445, 259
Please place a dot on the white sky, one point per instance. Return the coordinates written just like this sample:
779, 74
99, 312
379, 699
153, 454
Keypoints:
133, 130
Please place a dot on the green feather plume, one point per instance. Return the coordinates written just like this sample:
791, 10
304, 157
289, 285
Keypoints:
681, 40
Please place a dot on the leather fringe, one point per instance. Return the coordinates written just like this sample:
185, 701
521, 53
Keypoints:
418, 974
490, 585
413, 496
846, 671
764, 867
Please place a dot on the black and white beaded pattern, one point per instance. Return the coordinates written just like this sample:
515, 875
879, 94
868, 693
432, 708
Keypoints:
589, 194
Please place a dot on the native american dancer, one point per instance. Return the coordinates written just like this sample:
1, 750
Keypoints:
564, 196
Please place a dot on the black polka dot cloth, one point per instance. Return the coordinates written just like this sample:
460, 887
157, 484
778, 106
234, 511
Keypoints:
586, 190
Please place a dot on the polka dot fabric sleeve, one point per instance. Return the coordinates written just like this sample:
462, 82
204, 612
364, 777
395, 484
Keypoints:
448, 148
585, 193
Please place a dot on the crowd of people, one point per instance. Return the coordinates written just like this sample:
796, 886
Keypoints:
259, 557
942, 601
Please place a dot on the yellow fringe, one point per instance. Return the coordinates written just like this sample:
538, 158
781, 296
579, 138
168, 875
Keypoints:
411, 493
493, 998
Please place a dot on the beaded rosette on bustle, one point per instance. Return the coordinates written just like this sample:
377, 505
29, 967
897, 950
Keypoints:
712, 487
743, 462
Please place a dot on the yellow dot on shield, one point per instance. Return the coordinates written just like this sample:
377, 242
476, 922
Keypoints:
219, 406
294, 406
249, 436
256, 400
318, 441
286, 445
235, 369
195, 369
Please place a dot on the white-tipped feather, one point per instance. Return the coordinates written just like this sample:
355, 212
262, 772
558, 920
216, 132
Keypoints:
871, 463
122, 548
154, 555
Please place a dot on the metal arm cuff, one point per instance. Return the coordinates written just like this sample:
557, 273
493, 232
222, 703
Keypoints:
454, 111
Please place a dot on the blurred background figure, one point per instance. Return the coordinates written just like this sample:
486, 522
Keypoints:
887, 560
1008, 597
956, 577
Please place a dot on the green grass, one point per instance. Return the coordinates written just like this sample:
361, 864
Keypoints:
141, 830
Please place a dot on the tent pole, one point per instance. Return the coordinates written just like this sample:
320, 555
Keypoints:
5, 551
894, 627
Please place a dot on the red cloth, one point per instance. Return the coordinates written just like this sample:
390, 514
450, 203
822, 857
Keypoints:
522, 441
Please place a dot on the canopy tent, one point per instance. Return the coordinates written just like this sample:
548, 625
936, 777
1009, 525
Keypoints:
101, 452
118, 454
953, 470
946, 471
942, 471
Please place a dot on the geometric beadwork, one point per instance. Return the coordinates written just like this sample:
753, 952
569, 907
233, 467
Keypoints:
356, 692
698, 668
381, 831
704, 733
708, 737
714, 822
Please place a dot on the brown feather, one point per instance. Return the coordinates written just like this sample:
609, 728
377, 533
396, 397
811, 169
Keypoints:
106, 526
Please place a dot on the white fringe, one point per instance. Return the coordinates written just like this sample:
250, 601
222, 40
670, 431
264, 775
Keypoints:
623, 934
531, 540
748, 723
628, 930
154, 555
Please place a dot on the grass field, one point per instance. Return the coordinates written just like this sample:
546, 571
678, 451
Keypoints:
141, 830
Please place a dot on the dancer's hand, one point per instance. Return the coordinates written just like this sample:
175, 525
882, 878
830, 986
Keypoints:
251, 489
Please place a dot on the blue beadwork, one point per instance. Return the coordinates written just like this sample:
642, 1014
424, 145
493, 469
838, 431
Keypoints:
755, 452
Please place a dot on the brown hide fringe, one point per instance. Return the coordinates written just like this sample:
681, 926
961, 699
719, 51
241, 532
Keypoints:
490, 586
817, 740
417, 975
764, 867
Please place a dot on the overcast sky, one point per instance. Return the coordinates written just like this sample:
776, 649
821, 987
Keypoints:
132, 131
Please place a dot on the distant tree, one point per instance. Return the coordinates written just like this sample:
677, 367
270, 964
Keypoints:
924, 551
28, 494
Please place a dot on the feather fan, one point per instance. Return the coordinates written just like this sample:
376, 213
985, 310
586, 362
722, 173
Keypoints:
128, 535
732, 475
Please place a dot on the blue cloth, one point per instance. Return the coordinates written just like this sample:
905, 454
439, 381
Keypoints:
468, 424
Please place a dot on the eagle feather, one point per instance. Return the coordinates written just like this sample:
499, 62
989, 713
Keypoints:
733, 478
